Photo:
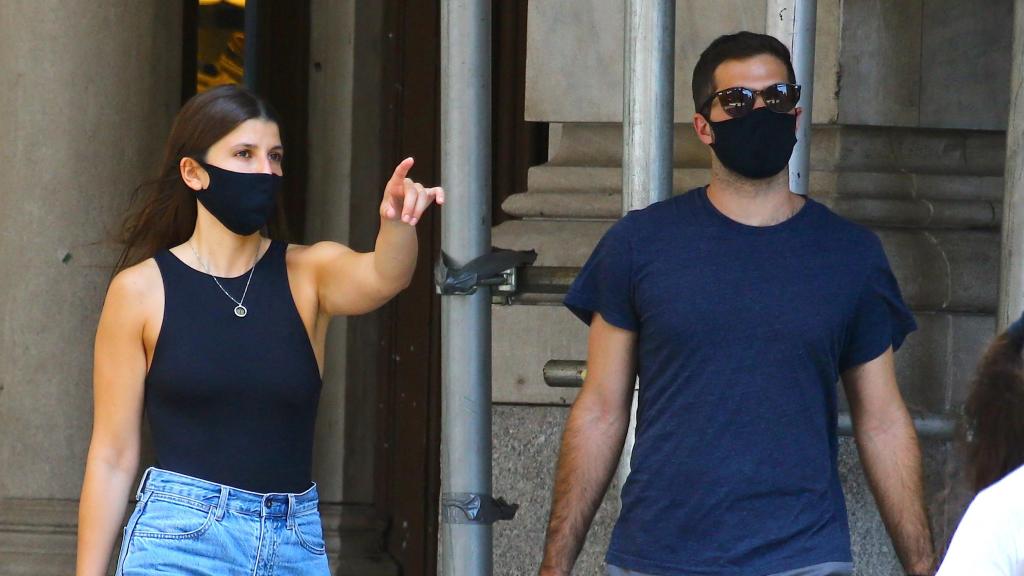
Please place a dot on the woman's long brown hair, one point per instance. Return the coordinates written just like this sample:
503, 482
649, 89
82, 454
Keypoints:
162, 212
995, 412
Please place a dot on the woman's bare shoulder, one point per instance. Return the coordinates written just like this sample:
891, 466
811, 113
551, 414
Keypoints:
136, 287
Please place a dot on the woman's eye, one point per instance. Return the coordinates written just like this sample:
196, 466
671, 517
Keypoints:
243, 153
277, 157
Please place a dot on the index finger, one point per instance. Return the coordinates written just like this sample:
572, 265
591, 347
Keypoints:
398, 178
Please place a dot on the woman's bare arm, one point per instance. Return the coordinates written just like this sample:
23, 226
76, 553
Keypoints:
118, 380
349, 282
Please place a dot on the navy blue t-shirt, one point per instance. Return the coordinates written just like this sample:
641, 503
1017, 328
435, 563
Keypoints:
742, 334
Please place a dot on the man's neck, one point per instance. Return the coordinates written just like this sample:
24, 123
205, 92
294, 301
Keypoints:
753, 202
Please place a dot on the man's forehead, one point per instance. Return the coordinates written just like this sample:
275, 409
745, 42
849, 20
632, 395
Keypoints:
756, 72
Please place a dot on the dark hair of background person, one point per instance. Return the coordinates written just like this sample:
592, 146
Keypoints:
995, 413
162, 211
738, 46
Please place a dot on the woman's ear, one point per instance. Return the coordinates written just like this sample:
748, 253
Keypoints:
194, 175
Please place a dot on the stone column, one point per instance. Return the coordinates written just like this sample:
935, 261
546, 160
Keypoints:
1011, 284
344, 171
327, 213
90, 89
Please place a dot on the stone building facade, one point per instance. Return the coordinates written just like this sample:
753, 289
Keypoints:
910, 119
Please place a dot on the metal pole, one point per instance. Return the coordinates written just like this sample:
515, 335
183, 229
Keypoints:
648, 102
1011, 282
793, 23
805, 17
647, 110
466, 234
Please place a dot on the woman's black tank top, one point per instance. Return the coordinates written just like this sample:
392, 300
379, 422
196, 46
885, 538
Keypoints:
233, 400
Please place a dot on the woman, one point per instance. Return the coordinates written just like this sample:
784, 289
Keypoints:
990, 538
218, 334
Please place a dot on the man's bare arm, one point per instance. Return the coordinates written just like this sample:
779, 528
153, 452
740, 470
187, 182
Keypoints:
591, 444
889, 452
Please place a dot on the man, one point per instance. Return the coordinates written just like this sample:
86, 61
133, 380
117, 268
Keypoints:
739, 306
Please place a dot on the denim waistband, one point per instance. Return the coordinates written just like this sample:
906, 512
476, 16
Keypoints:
206, 494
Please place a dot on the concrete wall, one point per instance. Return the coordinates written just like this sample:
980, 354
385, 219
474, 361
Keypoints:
923, 63
327, 214
89, 92
344, 151
574, 55
926, 63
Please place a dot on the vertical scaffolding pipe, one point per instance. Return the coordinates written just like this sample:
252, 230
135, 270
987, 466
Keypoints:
1011, 282
466, 234
793, 23
647, 114
805, 19
647, 104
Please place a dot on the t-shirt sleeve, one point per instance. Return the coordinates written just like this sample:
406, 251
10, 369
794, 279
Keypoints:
604, 284
984, 542
881, 318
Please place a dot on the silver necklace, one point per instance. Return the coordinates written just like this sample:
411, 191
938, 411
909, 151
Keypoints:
240, 310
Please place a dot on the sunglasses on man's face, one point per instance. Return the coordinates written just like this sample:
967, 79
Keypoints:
739, 101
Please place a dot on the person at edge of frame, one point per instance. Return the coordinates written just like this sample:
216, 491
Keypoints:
739, 306
990, 538
216, 332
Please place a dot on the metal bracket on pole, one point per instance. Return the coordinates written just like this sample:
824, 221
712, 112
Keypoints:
496, 269
467, 508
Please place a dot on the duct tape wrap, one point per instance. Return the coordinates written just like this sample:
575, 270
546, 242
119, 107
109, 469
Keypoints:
486, 270
467, 508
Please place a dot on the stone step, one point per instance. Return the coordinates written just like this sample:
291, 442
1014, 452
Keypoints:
356, 530
382, 565
938, 270
834, 147
585, 192
892, 212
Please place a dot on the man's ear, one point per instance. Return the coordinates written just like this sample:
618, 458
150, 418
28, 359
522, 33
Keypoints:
703, 129
799, 113
194, 175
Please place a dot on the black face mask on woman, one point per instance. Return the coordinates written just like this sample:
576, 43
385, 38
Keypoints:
243, 202
756, 145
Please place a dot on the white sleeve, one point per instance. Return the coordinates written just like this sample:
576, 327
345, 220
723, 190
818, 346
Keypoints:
985, 542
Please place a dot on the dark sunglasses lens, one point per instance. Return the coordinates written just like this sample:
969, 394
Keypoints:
781, 97
736, 101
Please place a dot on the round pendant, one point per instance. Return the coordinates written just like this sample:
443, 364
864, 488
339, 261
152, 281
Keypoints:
240, 311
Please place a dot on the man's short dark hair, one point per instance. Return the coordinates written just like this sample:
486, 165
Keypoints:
738, 46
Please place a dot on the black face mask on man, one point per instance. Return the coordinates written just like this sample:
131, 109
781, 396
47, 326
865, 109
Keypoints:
243, 202
756, 145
